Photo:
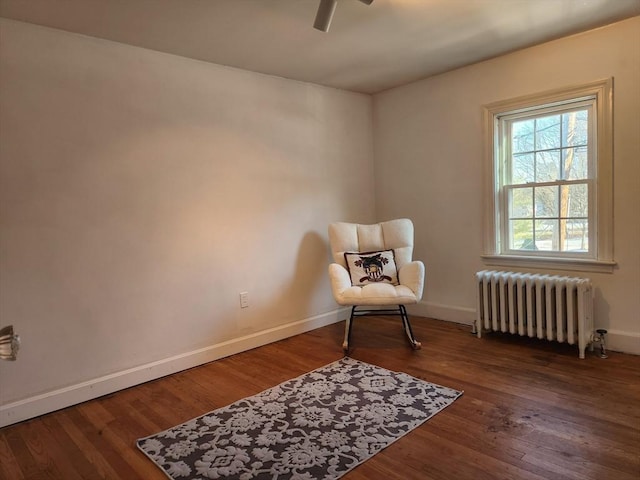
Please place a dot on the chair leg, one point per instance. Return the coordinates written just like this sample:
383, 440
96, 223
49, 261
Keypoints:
416, 345
347, 332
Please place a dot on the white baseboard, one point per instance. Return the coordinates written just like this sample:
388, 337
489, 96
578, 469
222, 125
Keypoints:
626, 342
65, 397
463, 315
616, 340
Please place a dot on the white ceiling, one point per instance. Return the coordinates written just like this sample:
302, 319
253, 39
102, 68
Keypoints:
368, 48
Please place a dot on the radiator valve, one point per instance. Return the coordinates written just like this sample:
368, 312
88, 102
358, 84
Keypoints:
9, 343
600, 333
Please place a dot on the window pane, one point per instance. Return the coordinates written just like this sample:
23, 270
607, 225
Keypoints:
548, 132
521, 203
522, 168
574, 201
546, 232
575, 128
522, 136
575, 163
521, 235
575, 235
546, 201
548, 166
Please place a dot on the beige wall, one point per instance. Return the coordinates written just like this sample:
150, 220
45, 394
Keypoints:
141, 192
428, 146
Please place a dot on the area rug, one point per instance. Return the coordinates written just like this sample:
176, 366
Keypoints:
317, 426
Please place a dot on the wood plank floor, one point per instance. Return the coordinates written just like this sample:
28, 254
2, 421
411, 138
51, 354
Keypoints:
531, 410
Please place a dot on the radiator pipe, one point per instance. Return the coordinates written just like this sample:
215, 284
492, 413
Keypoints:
600, 338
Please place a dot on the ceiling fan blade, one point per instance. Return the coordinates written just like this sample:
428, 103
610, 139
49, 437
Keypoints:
325, 14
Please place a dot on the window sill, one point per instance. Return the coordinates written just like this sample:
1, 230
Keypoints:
573, 264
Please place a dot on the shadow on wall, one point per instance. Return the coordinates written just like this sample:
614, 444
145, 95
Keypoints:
310, 270
307, 293
600, 310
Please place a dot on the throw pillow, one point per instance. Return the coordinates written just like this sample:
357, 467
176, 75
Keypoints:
372, 267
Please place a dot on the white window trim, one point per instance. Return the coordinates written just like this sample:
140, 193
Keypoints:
602, 90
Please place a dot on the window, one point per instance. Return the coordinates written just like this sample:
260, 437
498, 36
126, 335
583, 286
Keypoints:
549, 200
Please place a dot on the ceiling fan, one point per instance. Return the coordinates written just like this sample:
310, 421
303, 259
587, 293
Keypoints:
325, 13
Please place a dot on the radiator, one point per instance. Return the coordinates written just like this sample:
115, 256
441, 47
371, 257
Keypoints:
544, 306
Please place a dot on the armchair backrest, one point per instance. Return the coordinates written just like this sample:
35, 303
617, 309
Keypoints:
396, 235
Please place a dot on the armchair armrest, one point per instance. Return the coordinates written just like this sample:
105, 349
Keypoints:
340, 279
412, 275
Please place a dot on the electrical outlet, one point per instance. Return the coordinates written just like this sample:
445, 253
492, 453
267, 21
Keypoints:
244, 299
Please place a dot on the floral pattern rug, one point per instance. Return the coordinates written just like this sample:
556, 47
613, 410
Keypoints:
315, 427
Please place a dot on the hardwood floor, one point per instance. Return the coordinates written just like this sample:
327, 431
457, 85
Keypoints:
531, 410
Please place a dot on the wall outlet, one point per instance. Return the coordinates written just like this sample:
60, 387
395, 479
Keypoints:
244, 299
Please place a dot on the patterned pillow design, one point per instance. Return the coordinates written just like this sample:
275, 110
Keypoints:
372, 267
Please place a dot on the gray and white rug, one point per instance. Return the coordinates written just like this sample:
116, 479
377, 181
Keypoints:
317, 426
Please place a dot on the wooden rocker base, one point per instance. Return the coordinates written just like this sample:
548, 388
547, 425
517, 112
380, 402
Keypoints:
401, 310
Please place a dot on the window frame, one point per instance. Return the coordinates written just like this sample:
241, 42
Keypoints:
600, 257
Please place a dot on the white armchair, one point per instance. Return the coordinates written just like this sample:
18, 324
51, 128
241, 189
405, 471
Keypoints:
373, 269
